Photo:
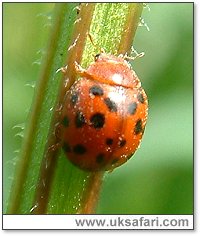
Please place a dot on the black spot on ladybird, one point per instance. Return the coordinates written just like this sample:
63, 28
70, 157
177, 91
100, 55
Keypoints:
122, 142
140, 98
96, 90
66, 147
132, 108
79, 149
138, 127
79, 119
100, 158
109, 141
74, 99
110, 104
97, 120
65, 121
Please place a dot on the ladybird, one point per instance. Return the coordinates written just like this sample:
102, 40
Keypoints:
104, 114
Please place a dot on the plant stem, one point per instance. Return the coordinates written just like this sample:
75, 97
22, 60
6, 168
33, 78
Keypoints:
130, 27
92, 196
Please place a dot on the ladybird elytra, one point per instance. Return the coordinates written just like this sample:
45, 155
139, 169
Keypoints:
104, 114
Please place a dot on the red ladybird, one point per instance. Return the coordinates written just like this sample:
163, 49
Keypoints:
104, 115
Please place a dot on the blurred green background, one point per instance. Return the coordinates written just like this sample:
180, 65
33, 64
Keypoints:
159, 179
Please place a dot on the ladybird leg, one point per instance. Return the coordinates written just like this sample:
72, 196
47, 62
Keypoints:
79, 69
59, 108
141, 54
54, 147
58, 131
58, 135
132, 58
134, 52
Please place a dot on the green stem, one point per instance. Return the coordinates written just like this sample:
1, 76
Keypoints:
91, 197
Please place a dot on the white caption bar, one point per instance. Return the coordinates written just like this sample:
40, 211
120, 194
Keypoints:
97, 221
